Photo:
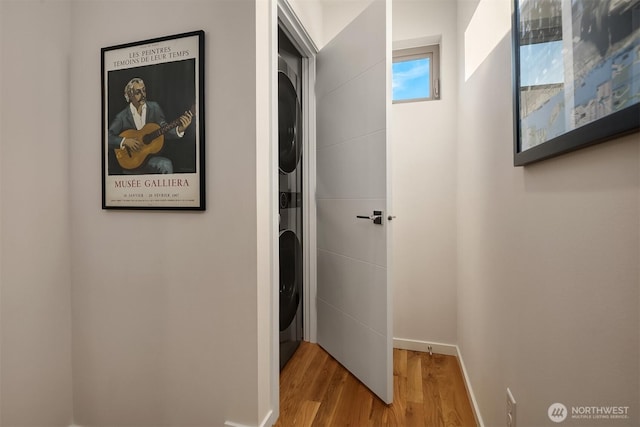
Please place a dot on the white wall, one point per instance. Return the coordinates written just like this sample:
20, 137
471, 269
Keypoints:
1, 180
324, 19
162, 307
165, 311
548, 260
34, 215
310, 13
424, 185
337, 14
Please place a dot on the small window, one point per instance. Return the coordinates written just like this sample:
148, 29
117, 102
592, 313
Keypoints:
416, 75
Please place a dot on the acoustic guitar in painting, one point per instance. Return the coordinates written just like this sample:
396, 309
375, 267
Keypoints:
152, 138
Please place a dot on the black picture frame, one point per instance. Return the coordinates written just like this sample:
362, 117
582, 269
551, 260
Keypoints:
594, 95
165, 170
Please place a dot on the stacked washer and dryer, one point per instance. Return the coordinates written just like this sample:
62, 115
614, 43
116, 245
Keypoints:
290, 196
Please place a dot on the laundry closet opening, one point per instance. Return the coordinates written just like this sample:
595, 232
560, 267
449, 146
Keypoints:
290, 197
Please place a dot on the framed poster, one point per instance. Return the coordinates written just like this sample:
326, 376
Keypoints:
576, 74
153, 124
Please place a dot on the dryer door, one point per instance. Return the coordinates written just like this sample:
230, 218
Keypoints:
289, 126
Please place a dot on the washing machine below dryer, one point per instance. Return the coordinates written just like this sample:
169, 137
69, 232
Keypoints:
290, 320
290, 133
291, 277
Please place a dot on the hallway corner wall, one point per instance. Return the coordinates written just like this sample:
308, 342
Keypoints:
424, 185
1, 138
158, 311
548, 275
165, 304
35, 259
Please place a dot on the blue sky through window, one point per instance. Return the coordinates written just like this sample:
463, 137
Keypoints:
411, 79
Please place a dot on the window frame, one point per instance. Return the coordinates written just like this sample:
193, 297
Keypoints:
432, 52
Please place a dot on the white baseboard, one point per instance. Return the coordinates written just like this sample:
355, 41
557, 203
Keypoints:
265, 422
467, 384
449, 350
269, 420
423, 346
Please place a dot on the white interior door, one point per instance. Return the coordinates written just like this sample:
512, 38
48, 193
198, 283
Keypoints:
353, 290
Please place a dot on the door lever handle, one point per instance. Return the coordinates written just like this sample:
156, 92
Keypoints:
376, 217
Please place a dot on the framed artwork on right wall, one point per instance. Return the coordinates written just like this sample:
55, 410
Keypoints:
576, 68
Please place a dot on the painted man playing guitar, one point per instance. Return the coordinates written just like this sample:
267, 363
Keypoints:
137, 133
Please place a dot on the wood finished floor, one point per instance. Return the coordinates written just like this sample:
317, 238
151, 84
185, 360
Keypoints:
429, 391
